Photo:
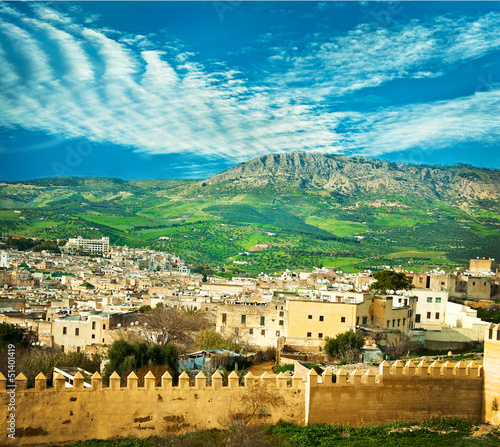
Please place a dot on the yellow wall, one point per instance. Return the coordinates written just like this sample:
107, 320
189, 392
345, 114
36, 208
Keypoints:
492, 375
299, 324
46, 417
395, 396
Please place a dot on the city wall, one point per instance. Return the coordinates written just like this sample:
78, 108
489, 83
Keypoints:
398, 393
59, 415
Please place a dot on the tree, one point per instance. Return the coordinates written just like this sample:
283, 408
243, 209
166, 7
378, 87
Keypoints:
346, 345
206, 272
10, 334
396, 344
167, 325
390, 280
126, 357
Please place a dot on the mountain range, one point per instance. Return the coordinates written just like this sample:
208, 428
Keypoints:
278, 211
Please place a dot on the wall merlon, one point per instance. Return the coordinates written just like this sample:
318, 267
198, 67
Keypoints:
3, 383
493, 332
132, 380
21, 382
410, 368
96, 381
355, 377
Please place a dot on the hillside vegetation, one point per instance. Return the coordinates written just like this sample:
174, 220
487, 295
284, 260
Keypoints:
442, 432
278, 211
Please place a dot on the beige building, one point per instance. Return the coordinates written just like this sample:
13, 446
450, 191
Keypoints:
74, 332
257, 323
483, 266
306, 324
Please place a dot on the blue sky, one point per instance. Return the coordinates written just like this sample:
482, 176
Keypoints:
188, 89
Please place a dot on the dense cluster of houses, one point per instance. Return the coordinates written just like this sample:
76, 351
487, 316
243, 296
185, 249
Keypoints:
83, 303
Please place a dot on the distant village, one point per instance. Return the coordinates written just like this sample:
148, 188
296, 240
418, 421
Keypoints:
76, 303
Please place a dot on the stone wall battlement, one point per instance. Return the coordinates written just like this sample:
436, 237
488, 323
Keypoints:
397, 370
397, 392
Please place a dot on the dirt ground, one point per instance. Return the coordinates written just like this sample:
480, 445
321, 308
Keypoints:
261, 368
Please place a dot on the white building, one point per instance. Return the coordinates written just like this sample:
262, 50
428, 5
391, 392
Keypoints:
431, 308
3, 259
91, 246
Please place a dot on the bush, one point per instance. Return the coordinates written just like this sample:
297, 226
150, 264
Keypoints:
283, 368
346, 346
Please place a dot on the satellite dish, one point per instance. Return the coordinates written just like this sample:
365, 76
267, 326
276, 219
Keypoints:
118, 325
41, 343
131, 324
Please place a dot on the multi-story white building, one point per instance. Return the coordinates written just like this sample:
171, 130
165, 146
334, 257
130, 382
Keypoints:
3, 259
431, 308
92, 246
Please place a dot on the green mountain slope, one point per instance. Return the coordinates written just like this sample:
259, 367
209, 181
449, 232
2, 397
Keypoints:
308, 209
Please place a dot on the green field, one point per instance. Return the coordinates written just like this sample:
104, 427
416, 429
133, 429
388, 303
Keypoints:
437, 432
303, 227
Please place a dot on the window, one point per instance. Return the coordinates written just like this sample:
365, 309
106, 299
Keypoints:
103, 340
104, 326
78, 349
309, 334
93, 325
310, 317
320, 335
281, 322
262, 321
77, 331
404, 321
428, 315
357, 321
224, 318
437, 315
64, 330
93, 335
250, 331
282, 314
417, 318
243, 319
421, 280
222, 328
473, 283
277, 333
438, 300
281, 307
321, 318
365, 319
62, 348
484, 284
342, 319
399, 321
393, 323
429, 299
263, 332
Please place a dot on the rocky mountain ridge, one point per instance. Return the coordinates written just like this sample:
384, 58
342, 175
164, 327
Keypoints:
351, 175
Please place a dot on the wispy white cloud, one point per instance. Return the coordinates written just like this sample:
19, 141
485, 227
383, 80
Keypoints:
72, 80
428, 126
369, 56
106, 90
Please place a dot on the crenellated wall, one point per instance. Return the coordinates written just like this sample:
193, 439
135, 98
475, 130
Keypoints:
492, 375
59, 415
398, 393
66, 415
